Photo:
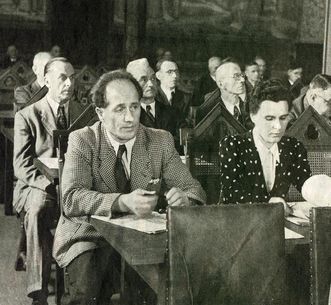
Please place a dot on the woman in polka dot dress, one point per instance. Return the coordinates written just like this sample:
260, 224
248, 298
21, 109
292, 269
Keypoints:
260, 165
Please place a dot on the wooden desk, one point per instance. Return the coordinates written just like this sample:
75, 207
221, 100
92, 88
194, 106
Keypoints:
51, 172
146, 253
7, 130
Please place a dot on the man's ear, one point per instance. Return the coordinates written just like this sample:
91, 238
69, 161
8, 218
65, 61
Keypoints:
158, 75
99, 112
252, 116
34, 69
47, 81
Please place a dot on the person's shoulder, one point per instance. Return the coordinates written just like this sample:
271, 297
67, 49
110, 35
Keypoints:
237, 140
292, 142
34, 108
88, 135
156, 136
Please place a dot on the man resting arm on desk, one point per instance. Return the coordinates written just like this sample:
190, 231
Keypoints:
260, 166
107, 170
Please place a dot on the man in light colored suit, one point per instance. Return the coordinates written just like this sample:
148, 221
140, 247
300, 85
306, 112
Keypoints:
34, 193
107, 171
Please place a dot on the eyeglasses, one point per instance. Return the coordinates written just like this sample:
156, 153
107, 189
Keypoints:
238, 76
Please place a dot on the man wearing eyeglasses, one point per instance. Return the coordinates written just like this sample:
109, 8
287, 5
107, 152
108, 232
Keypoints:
318, 96
231, 84
168, 91
153, 113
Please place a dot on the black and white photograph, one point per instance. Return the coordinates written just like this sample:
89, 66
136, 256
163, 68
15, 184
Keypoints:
165, 152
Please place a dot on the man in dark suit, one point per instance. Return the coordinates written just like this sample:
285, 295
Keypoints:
168, 91
107, 171
207, 83
23, 94
33, 192
11, 57
318, 96
260, 166
293, 79
154, 113
231, 84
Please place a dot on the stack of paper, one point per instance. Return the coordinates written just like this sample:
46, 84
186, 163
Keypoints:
153, 224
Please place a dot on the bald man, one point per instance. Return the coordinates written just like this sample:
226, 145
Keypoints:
34, 194
207, 82
24, 94
231, 84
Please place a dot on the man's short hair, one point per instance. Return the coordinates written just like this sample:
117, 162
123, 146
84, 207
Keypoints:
322, 81
271, 90
161, 61
250, 63
294, 64
98, 92
54, 60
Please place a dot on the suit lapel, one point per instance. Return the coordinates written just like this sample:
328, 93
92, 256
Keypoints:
75, 110
141, 167
46, 115
107, 159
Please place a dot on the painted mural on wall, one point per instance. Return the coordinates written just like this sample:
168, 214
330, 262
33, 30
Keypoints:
312, 25
34, 10
280, 18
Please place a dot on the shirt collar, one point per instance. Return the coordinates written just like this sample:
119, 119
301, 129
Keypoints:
116, 145
54, 106
260, 146
230, 106
152, 107
167, 91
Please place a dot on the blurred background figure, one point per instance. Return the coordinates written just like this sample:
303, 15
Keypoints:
56, 51
252, 73
293, 79
207, 82
10, 58
264, 72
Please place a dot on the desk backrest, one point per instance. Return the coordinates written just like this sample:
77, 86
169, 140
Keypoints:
202, 145
315, 134
320, 255
226, 255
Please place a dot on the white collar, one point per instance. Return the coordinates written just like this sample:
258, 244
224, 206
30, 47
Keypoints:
230, 106
116, 145
54, 106
261, 148
152, 107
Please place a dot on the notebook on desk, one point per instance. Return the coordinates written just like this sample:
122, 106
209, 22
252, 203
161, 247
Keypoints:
155, 223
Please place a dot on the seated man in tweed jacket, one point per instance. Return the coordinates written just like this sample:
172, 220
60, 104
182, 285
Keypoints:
107, 169
260, 166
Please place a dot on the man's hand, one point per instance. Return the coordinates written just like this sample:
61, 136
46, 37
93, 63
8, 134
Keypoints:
287, 209
176, 197
139, 202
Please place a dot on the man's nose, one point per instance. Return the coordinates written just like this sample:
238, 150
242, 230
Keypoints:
128, 117
277, 124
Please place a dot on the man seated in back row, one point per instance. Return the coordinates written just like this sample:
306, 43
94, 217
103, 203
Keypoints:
107, 171
318, 96
260, 166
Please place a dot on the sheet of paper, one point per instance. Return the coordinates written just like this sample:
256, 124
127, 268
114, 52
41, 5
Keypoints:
301, 209
153, 224
289, 234
298, 221
52, 163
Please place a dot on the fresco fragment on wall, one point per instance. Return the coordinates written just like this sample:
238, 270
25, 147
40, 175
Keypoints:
312, 25
34, 10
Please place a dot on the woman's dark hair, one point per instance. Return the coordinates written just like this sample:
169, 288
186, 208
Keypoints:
271, 90
98, 91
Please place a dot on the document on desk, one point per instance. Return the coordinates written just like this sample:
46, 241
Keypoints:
52, 163
155, 223
300, 210
289, 234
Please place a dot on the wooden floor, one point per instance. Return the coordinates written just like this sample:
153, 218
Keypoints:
12, 283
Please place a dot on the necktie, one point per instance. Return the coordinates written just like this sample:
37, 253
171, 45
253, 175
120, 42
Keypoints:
237, 114
122, 182
149, 113
61, 121
172, 97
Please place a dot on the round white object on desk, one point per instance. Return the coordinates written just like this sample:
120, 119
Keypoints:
317, 190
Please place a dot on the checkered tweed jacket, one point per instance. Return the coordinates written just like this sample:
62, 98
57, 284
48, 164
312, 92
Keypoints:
89, 186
